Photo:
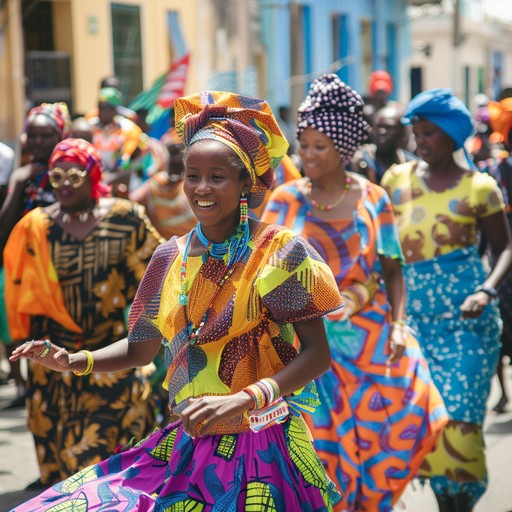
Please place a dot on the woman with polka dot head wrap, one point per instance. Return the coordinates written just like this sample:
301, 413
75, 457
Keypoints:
378, 387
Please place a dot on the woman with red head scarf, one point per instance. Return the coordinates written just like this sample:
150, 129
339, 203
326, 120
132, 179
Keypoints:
28, 187
71, 268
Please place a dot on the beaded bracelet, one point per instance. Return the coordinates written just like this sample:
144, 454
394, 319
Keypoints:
89, 364
264, 392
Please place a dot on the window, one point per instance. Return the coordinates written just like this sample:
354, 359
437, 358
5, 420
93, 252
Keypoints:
127, 45
340, 44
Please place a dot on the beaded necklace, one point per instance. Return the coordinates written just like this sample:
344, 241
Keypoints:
329, 207
193, 330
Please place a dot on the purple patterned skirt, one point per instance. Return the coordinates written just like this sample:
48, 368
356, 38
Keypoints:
275, 469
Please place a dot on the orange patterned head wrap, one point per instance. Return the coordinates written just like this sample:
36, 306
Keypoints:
500, 117
84, 154
58, 114
244, 124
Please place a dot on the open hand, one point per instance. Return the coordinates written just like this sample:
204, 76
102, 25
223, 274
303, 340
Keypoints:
56, 358
203, 413
397, 343
474, 305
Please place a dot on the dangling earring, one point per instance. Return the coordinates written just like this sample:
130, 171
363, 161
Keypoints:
244, 210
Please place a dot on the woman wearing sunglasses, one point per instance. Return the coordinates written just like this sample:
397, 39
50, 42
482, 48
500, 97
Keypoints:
71, 269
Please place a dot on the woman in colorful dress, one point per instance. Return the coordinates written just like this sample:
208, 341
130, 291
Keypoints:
441, 207
71, 268
380, 413
28, 188
226, 300
500, 119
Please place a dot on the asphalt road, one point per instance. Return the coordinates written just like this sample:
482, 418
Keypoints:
18, 465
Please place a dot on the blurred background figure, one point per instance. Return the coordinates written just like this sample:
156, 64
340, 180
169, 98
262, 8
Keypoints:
70, 270
380, 87
288, 128
390, 139
442, 210
163, 197
6, 167
151, 157
116, 138
29, 188
81, 129
500, 119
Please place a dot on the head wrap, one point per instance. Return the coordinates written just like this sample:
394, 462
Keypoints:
111, 95
244, 124
57, 113
500, 116
84, 154
445, 110
336, 110
380, 80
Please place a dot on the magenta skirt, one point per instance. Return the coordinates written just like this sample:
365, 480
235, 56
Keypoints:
275, 469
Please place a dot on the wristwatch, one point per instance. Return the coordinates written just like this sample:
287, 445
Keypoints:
489, 290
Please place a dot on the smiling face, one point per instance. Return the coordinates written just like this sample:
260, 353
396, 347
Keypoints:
71, 189
42, 137
433, 145
318, 154
214, 181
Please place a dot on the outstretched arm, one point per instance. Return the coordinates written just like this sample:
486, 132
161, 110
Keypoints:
115, 357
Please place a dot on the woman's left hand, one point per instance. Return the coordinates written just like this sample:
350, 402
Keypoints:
397, 342
203, 413
474, 305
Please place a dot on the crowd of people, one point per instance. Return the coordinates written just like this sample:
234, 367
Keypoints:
250, 315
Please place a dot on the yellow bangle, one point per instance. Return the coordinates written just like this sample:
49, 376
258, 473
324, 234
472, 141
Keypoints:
401, 323
89, 363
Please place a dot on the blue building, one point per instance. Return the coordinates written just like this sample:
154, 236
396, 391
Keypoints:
304, 38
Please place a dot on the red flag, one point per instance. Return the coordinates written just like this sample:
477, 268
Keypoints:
174, 85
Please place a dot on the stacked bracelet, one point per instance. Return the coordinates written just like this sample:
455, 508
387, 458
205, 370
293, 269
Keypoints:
89, 364
264, 392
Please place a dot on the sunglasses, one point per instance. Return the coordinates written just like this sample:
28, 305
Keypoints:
74, 176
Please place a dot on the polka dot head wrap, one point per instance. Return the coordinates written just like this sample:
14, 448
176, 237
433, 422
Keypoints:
336, 110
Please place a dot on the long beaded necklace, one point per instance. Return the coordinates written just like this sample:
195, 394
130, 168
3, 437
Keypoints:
329, 207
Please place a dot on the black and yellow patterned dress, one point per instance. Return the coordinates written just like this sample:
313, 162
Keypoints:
78, 421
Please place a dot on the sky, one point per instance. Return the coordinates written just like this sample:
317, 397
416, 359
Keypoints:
499, 8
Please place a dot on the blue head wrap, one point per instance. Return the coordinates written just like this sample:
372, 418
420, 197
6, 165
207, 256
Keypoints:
445, 110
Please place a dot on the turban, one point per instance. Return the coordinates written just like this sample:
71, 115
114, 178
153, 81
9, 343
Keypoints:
336, 110
500, 116
244, 124
57, 113
83, 153
111, 95
445, 110
380, 81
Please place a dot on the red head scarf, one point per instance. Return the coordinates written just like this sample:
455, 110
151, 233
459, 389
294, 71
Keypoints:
85, 155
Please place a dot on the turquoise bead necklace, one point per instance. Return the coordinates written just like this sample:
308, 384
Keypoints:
231, 251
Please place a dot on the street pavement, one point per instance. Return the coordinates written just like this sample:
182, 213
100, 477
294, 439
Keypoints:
18, 464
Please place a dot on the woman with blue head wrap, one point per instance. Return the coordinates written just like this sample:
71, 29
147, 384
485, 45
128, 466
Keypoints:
443, 209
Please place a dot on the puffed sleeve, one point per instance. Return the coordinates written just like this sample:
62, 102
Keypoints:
386, 232
144, 311
486, 197
295, 283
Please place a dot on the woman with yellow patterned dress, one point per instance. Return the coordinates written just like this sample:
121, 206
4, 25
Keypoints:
71, 269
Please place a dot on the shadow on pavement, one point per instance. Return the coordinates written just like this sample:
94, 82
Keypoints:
15, 498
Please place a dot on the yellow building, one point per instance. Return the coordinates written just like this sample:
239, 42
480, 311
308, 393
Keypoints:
60, 50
